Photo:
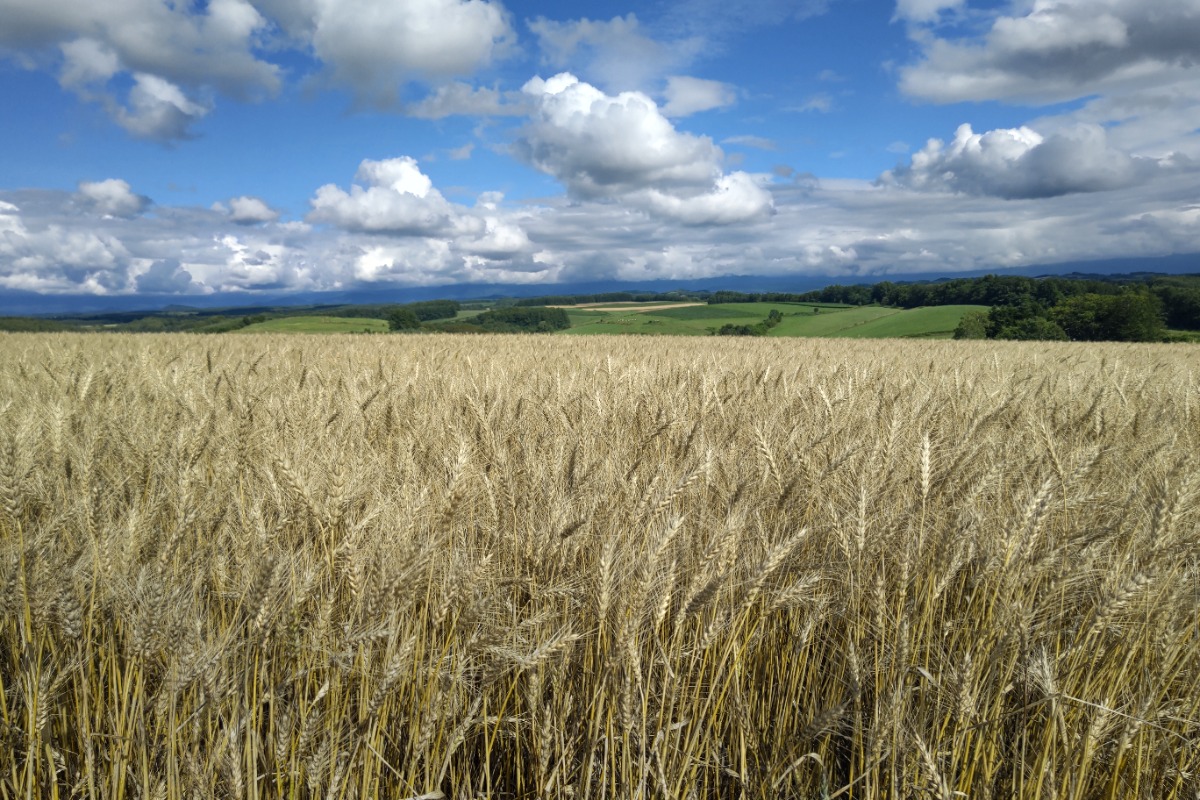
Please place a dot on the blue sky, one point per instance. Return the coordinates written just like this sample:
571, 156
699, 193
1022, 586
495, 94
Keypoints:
153, 147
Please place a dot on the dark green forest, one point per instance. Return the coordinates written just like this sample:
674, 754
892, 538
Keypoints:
1137, 308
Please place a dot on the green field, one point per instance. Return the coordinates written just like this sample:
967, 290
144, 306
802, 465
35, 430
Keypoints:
873, 322
798, 320
318, 325
928, 322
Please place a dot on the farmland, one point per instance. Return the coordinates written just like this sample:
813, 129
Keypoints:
690, 319
798, 320
260, 565
318, 324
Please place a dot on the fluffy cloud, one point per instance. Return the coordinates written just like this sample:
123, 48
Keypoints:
391, 196
165, 277
685, 95
1060, 50
394, 198
171, 51
179, 56
246, 210
736, 197
113, 197
50, 242
375, 46
86, 62
600, 145
167, 39
497, 240
622, 147
157, 109
1135, 63
54, 257
1021, 163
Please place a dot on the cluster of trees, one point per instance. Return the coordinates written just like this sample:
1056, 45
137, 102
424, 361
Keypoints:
1134, 315
1180, 294
517, 319
990, 290
428, 310
511, 319
1180, 298
760, 329
173, 323
409, 317
32, 325
728, 296
1120, 307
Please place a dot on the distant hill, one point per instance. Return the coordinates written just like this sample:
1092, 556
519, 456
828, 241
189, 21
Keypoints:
19, 303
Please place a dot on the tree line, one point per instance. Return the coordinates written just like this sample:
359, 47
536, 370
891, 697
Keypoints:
1121, 308
510, 319
1134, 315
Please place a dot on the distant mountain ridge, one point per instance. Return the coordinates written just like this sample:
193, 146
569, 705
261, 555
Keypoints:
21, 303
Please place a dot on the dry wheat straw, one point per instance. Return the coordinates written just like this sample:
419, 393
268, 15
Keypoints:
443, 567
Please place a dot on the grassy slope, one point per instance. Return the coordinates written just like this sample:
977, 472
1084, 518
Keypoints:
318, 325
828, 322
933, 321
634, 322
798, 320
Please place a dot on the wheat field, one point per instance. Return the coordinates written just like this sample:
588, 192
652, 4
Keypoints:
523, 566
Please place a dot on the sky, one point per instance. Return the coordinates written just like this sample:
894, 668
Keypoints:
200, 147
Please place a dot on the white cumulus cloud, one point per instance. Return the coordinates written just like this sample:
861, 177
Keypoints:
603, 146
390, 196
735, 197
498, 239
394, 197
50, 257
247, 210
173, 52
1021, 163
113, 197
180, 55
375, 46
165, 277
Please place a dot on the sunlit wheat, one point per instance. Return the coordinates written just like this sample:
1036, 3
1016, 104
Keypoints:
509, 567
